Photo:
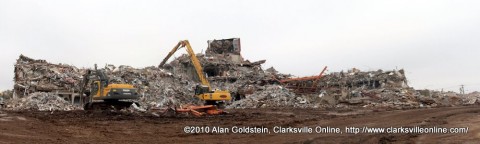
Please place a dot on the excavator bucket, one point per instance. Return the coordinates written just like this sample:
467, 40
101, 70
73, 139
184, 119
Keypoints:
108, 105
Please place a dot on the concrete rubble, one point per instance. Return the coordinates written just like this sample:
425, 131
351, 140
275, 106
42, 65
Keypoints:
6, 94
37, 81
40, 101
40, 76
268, 96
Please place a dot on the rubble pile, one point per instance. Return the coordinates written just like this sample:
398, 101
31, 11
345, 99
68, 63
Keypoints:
355, 78
472, 98
226, 69
6, 94
382, 89
40, 76
269, 96
370, 89
223, 64
441, 98
41, 101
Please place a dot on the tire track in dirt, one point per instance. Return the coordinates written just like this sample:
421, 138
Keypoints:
120, 127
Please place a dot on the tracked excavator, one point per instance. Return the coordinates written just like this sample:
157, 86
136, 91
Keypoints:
214, 99
98, 94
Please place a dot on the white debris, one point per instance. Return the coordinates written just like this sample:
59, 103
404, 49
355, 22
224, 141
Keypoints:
42, 102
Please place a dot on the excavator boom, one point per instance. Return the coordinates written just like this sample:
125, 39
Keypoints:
212, 98
170, 54
193, 57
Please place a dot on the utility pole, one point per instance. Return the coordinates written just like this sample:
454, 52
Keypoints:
462, 89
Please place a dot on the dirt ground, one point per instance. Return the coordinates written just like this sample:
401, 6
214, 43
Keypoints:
120, 127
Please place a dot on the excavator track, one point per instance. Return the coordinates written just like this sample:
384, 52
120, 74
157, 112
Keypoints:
218, 104
200, 110
107, 105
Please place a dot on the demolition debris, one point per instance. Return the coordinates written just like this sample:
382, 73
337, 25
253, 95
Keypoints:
42, 102
43, 86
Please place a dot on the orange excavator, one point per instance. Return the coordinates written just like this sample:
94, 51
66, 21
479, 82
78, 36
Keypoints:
214, 99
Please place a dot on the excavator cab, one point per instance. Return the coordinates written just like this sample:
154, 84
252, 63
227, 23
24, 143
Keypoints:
103, 95
201, 89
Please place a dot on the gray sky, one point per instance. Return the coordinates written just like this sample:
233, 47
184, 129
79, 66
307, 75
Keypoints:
437, 42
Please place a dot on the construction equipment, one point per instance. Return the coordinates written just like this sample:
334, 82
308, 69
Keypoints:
213, 98
103, 95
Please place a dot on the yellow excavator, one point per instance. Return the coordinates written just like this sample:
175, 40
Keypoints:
103, 95
213, 98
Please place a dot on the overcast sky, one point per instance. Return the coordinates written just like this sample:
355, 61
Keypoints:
437, 42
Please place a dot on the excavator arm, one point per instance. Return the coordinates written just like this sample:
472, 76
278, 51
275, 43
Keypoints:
170, 54
193, 57
213, 99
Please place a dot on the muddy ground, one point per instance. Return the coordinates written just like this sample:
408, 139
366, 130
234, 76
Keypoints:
120, 127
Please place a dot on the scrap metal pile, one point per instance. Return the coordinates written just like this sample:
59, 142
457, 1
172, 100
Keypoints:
251, 86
